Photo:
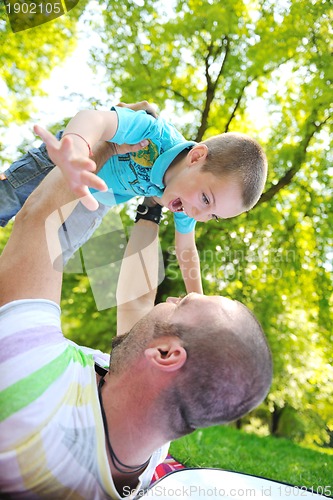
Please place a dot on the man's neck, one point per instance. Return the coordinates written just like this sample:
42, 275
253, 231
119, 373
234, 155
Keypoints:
132, 434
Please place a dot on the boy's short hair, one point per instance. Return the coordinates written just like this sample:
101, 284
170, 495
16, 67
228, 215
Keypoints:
241, 157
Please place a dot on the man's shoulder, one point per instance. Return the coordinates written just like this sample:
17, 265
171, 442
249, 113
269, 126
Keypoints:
100, 358
29, 314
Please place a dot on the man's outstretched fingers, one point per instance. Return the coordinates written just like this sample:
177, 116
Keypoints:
89, 202
46, 136
91, 180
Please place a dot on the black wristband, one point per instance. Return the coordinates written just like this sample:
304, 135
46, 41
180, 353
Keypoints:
153, 214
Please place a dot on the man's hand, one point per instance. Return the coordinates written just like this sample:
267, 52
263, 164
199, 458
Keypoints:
103, 150
77, 169
122, 149
140, 106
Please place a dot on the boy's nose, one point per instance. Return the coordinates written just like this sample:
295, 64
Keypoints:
198, 214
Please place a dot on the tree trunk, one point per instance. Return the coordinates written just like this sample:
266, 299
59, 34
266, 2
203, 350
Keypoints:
238, 424
276, 415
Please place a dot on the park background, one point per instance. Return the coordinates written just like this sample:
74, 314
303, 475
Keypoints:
258, 67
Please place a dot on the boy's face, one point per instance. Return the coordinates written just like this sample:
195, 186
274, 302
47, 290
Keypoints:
202, 195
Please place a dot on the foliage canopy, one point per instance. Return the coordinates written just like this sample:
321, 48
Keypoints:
259, 67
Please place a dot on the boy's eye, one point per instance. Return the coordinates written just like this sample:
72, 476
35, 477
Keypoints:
205, 199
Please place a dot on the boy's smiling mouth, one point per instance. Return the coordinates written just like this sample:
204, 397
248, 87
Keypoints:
176, 205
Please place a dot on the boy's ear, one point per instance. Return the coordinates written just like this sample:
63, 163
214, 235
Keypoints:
166, 354
198, 153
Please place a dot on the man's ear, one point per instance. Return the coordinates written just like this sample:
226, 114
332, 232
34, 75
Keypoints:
197, 154
166, 354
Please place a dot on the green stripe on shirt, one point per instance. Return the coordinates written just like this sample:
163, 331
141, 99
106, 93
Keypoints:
26, 390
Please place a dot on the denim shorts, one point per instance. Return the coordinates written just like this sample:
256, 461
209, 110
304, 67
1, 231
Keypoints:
20, 180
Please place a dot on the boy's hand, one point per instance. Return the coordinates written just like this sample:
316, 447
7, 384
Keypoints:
77, 168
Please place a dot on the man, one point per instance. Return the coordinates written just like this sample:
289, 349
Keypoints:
69, 429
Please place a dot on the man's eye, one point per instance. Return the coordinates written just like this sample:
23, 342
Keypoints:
205, 199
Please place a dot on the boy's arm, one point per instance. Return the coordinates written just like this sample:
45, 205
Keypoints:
189, 262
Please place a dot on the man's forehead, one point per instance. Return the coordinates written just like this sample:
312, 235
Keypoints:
227, 306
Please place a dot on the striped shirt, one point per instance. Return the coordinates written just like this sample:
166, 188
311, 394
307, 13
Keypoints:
52, 441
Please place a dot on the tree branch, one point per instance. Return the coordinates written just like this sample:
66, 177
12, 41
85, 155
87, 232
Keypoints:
226, 53
180, 95
211, 85
299, 157
233, 113
246, 84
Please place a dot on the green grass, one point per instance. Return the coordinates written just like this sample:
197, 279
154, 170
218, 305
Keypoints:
273, 458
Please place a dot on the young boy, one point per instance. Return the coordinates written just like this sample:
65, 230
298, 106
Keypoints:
217, 178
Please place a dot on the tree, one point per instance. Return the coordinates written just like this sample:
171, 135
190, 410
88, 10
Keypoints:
27, 59
261, 68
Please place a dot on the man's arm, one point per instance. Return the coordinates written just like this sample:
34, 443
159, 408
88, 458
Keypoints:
103, 150
138, 279
94, 125
73, 154
189, 262
26, 265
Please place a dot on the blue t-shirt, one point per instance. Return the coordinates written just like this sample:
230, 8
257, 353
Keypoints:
141, 173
